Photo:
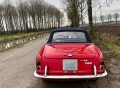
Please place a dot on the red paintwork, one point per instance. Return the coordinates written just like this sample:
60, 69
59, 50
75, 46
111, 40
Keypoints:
57, 51
52, 55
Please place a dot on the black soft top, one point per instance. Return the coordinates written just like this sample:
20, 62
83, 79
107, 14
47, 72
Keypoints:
69, 29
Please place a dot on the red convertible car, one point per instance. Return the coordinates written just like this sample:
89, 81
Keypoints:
69, 54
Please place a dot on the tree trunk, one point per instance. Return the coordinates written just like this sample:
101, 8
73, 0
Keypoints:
116, 20
89, 3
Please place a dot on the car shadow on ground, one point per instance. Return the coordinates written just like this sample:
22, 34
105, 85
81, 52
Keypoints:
64, 84
101, 83
59, 84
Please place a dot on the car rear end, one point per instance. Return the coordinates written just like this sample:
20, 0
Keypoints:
70, 54
63, 62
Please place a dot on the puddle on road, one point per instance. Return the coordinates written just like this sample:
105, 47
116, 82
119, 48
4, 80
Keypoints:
5, 46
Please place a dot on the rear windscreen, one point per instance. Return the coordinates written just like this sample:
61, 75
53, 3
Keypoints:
69, 37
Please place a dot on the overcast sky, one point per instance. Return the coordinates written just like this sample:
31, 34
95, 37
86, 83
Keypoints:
55, 2
114, 7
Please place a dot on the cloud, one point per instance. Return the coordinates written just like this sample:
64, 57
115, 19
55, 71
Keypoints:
54, 2
115, 11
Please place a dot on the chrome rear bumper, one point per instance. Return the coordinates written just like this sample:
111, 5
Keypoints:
70, 76
95, 75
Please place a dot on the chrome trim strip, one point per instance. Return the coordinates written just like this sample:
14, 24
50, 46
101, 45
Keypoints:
45, 74
95, 71
71, 76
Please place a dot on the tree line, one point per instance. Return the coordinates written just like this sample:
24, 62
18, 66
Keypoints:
28, 16
107, 18
77, 10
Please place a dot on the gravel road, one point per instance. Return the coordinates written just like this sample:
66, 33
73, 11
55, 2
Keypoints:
17, 66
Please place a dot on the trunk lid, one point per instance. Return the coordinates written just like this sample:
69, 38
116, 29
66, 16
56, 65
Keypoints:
67, 51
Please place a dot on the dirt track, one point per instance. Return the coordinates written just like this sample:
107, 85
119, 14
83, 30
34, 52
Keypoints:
17, 67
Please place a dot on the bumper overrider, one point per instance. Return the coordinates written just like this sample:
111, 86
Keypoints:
95, 75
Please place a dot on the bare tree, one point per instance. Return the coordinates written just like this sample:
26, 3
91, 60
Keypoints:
116, 16
109, 17
89, 3
102, 18
72, 9
95, 19
28, 16
83, 6
1, 20
8, 15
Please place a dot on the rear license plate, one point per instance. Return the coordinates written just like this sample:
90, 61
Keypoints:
70, 65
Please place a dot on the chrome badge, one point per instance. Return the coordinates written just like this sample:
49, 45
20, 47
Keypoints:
70, 55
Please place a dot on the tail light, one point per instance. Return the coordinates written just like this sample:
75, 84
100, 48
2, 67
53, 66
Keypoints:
38, 62
101, 60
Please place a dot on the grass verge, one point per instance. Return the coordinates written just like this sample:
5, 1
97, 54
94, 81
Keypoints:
13, 37
20, 41
109, 50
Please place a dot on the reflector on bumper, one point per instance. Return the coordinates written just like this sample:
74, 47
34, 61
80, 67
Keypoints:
71, 76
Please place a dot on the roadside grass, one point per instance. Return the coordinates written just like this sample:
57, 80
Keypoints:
109, 44
17, 35
18, 40
12, 37
15, 45
113, 47
107, 37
